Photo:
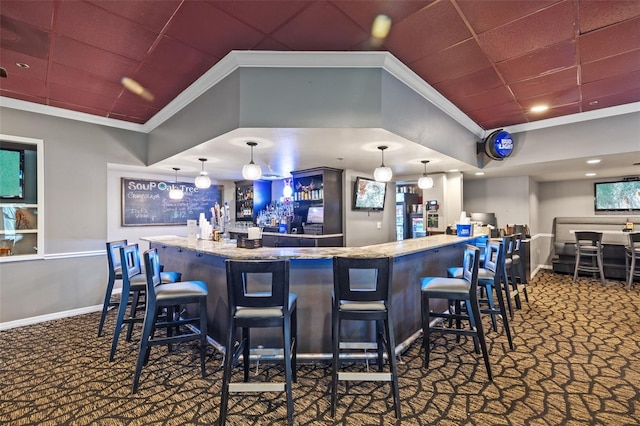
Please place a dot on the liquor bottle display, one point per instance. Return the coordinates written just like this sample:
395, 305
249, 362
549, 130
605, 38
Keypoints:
251, 197
317, 199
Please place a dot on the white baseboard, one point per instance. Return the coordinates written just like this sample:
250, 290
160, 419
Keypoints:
49, 317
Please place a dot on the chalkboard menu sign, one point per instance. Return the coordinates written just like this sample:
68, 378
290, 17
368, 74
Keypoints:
147, 202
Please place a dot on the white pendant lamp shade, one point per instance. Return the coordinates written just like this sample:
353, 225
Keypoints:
203, 181
251, 171
176, 193
425, 182
382, 173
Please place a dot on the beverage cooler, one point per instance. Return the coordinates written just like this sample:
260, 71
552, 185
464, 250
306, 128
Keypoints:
417, 226
404, 206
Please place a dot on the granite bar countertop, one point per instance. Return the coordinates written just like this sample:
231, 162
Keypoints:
229, 249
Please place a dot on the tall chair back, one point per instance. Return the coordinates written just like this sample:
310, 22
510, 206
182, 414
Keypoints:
345, 291
589, 254
114, 273
632, 258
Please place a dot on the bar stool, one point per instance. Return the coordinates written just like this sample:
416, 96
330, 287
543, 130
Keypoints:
115, 273
589, 254
632, 258
258, 309
510, 283
362, 292
490, 277
459, 290
134, 284
167, 296
518, 266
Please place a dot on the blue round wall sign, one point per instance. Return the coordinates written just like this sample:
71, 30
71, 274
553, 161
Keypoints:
499, 145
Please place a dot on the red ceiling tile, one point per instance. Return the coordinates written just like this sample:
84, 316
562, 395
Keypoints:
78, 55
610, 41
510, 108
153, 18
549, 83
23, 96
364, 13
23, 38
71, 95
79, 108
270, 44
37, 67
492, 120
554, 112
626, 97
461, 59
320, 26
261, 15
555, 99
599, 14
133, 110
470, 84
608, 86
18, 84
175, 56
549, 26
156, 82
612, 66
496, 96
96, 27
487, 14
20, 10
210, 30
429, 30
542, 61
83, 81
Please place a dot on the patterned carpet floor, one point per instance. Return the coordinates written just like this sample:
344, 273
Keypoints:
576, 362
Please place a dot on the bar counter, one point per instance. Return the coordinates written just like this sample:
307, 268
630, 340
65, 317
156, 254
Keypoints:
311, 278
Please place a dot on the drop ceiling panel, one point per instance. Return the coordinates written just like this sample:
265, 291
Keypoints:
549, 83
72, 95
539, 30
555, 99
37, 67
471, 84
266, 17
611, 66
96, 61
461, 59
610, 41
199, 24
429, 30
607, 86
83, 81
555, 112
96, 27
540, 62
598, 14
170, 55
20, 10
19, 84
311, 30
24, 38
497, 96
78, 108
363, 13
626, 97
487, 14
152, 18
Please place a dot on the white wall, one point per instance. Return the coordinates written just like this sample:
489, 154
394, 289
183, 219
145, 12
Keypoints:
361, 227
508, 198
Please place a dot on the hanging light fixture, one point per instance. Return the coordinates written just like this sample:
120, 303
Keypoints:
203, 181
176, 193
382, 173
251, 171
425, 182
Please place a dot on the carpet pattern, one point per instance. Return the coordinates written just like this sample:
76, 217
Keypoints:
576, 362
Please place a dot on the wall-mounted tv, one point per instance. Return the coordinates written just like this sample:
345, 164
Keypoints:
11, 174
622, 195
368, 194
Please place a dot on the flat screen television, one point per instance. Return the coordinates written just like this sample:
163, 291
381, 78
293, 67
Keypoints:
368, 194
315, 215
622, 195
11, 174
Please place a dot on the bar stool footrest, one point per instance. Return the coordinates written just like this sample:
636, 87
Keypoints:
373, 377
256, 387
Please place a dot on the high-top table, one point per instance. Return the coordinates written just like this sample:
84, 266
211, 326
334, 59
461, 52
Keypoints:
311, 278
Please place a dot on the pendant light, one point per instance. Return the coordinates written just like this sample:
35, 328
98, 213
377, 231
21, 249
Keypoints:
382, 173
203, 181
425, 182
176, 193
251, 171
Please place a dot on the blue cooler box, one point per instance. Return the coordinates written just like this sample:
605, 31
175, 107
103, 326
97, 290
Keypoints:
463, 230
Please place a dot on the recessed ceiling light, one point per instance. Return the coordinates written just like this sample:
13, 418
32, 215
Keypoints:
590, 174
479, 173
22, 65
454, 170
594, 161
539, 108
593, 103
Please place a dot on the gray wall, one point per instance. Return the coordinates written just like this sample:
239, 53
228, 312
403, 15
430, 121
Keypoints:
73, 273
